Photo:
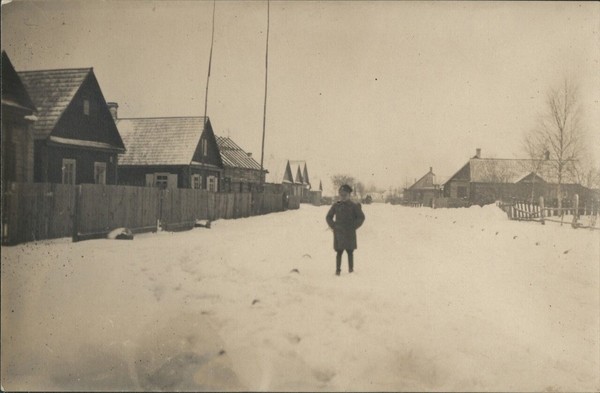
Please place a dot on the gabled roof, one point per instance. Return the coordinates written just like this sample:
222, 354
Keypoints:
513, 170
427, 182
497, 170
299, 167
233, 156
298, 178
52, 91
531, 178
288, 177
160, 140
305, 175
13, 91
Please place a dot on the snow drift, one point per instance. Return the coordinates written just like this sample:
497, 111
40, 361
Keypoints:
447, 299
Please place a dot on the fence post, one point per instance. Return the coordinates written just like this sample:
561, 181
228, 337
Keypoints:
76, 213
542, 210
575, 212
10, 214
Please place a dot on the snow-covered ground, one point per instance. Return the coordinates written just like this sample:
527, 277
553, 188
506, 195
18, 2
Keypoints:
447, 299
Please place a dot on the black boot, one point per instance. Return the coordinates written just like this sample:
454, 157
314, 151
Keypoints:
350, 261
338, 263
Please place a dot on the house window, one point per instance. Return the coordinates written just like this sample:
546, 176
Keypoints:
212, 183
86, 106
196, 181
204, 147
161, 180
100, 172
68, 171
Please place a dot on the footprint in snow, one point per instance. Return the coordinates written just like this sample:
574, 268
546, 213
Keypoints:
324, 375
295, 271
307, 256
293, 338
514, 237
255, 301
566, 251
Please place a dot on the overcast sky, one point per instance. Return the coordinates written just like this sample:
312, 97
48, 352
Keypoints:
378, 90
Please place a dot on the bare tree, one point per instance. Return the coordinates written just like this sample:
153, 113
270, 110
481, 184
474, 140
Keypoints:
536, 150
359, 189
586, 173
339, 180
560, 128
498, 176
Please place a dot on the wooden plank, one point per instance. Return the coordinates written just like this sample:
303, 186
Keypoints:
211, 206
40, 211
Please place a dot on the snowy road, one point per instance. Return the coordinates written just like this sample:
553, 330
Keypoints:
447, 299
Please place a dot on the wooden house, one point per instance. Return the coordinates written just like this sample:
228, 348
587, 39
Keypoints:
485, 180
170, 152
76, 140
424, 190
241, 172
17, 132
295, 179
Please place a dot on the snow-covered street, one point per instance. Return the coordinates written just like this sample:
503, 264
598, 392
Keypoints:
446, 299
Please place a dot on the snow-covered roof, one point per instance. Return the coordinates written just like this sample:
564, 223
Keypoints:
160, 140
234, 156
427, 182
52, 91
493, 170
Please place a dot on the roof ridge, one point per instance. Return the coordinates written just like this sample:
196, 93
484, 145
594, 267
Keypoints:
516, 159
163, 117
492, 158
58, 69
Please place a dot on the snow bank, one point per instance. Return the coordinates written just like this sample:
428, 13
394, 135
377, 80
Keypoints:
445, 299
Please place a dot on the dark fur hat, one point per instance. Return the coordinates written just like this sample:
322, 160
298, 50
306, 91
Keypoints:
346, 188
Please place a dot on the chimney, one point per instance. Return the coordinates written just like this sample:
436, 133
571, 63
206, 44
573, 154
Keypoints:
478, 153
250, 155
431, 169
113, 107
546, 155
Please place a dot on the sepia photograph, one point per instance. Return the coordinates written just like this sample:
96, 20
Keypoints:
300, 195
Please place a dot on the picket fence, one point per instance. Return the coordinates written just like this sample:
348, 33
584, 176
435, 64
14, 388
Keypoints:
537, 211
38, 211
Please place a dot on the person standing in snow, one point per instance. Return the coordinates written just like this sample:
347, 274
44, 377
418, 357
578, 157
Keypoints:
348, 218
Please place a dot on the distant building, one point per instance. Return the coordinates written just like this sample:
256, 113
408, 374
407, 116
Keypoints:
17, 133
296, 180
424, 190
241, 172
170, 152
485, 180
76, 140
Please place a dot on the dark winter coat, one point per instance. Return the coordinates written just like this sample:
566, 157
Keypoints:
348, 218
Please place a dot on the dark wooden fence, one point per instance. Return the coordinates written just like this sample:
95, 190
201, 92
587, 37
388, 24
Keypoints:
40, 211
37, 211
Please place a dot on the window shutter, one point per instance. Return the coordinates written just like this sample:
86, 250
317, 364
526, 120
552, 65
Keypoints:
149, 180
